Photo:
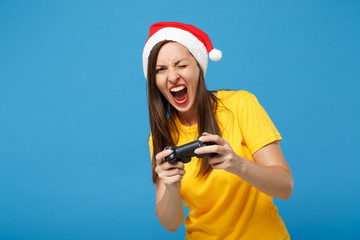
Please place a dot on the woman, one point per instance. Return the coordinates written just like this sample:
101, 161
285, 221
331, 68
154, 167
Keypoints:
229, 196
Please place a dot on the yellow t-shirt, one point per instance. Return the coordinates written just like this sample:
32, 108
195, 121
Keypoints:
222, 205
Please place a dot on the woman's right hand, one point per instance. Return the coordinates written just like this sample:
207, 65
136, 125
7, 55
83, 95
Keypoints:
170, 174
169, 208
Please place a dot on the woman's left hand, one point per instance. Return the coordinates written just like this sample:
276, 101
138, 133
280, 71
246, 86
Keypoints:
269, 171
227, 158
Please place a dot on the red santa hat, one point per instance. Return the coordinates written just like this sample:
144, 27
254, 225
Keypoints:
193, 38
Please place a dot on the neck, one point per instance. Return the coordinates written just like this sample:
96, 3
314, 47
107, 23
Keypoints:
188, 118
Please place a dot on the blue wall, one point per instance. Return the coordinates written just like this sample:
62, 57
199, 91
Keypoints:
74, 161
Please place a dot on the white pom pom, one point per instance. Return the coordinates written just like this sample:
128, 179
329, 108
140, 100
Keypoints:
215, 55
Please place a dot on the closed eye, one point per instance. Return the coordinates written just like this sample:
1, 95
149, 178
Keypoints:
182, 66
160, 69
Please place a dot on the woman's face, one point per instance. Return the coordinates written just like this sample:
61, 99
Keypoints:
177, 77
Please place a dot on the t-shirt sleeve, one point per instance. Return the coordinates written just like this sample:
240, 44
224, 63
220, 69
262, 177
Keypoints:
257, 128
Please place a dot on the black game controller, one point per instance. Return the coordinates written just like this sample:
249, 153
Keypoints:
185, 152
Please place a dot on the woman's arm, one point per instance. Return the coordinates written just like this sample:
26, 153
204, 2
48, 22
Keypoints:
169, 210
269, 173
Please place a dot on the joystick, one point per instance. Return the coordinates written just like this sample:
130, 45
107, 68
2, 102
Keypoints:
185, 152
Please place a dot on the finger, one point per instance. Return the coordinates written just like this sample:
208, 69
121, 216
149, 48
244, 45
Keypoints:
209, 149
173, 165
160, 157
178, 164
166, 176
212, 138
173, 179
173, 172
166, 166
221, 165
215, 160
223, 162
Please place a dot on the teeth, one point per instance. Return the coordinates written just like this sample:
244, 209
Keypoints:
177, 89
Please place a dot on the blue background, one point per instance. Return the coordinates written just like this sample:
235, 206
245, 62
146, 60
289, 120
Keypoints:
74, 161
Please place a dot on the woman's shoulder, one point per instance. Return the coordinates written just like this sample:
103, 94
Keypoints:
234, 96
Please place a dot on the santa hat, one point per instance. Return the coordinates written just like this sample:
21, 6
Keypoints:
195, 40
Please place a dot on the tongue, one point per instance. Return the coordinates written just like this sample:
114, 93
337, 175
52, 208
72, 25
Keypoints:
180, 95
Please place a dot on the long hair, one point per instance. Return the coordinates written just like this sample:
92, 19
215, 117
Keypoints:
162, 113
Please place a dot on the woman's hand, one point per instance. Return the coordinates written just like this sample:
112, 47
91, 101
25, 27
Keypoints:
269, 171
227, 158
170, 174
169, 208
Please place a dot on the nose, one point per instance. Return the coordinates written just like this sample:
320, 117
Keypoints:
173, 75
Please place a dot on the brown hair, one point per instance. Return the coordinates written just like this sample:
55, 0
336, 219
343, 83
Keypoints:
162, 113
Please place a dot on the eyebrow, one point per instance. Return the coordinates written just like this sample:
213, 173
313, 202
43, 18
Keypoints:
176, 63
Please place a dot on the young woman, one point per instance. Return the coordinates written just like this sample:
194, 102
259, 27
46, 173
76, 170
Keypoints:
229, 196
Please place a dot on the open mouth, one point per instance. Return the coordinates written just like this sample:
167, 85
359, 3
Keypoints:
179, 94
